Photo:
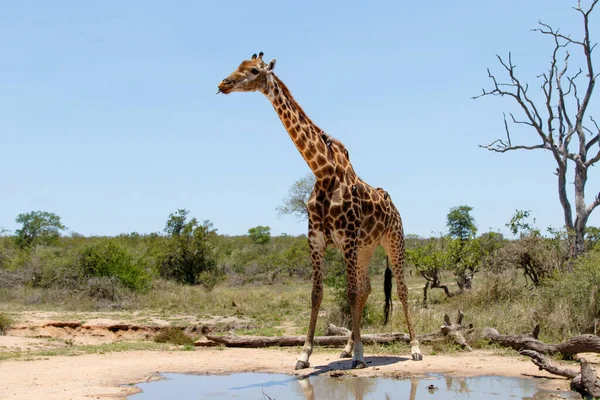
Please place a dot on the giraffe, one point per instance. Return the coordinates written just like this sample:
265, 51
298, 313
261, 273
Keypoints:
344, 211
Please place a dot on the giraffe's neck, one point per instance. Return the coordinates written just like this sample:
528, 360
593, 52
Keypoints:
312, 143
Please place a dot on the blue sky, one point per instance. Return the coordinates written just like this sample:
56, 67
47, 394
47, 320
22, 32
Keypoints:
110, 118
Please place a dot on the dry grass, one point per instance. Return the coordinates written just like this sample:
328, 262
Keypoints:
500, 301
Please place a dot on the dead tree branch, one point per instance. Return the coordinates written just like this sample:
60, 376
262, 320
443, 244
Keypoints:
529, 341
585, 381
559, 120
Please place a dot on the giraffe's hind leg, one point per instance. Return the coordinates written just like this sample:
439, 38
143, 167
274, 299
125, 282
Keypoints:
363, 259
393, 244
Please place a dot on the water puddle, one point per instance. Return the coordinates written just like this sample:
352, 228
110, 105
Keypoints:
261, 386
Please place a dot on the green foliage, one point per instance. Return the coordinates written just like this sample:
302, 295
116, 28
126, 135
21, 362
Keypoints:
108, 258
520, 224
295, 203
260, 234
460, 223
538, 256
570, 301
49, 267
38, 227
188, 254
592, 237
173, 335
7, 251
5, 323
429, 257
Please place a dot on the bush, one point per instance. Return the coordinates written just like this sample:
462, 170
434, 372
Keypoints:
105, 288
7, 250
570, 302
108, 258
5, 323
173, 335
189, 251
538, 257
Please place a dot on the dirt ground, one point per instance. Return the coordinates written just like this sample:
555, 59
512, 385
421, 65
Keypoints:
113, 375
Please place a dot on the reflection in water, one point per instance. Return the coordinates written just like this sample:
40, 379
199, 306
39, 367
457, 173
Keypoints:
322, 387
354, 388
358, 388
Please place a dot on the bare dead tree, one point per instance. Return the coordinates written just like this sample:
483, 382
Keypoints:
561, 122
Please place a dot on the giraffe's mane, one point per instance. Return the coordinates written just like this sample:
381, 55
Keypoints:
288, 94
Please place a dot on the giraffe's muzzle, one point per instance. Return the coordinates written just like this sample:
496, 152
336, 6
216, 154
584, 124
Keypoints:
225, 86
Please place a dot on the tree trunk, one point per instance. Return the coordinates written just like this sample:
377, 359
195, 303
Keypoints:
425, 289
580, 207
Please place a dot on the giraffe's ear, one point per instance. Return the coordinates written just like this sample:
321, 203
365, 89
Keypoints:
271, 65
253, 56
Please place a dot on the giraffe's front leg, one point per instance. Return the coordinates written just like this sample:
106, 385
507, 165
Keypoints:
316, 241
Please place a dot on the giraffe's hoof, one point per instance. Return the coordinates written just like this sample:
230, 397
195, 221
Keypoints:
301, 365
356, 364
417, 357
345, 354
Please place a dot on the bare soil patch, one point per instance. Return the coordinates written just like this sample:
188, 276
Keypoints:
112, 375
100, 328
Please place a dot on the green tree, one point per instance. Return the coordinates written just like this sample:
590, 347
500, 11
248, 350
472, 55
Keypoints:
460, 223
38, 227
188, 255
430, 260
260, 234
464, 251
295, 203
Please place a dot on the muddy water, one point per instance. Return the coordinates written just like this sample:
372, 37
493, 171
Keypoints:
259, 386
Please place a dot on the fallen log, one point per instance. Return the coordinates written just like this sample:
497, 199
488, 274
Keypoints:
282, 341
338, 337
529, 341
585, 382
333, 330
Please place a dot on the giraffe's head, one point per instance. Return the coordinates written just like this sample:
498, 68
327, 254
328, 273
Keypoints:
250, 76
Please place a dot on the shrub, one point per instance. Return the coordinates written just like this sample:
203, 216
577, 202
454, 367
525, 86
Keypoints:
570, 302
189, 250
5, 323
173, 335
105, 288
7, 250
108, 258
538, 257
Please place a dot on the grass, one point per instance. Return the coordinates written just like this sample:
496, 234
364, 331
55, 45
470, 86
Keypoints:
499, 301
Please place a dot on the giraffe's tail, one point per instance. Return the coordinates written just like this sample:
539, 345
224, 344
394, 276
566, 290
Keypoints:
387, 290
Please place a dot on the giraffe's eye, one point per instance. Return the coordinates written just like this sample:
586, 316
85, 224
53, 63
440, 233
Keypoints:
255, 71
